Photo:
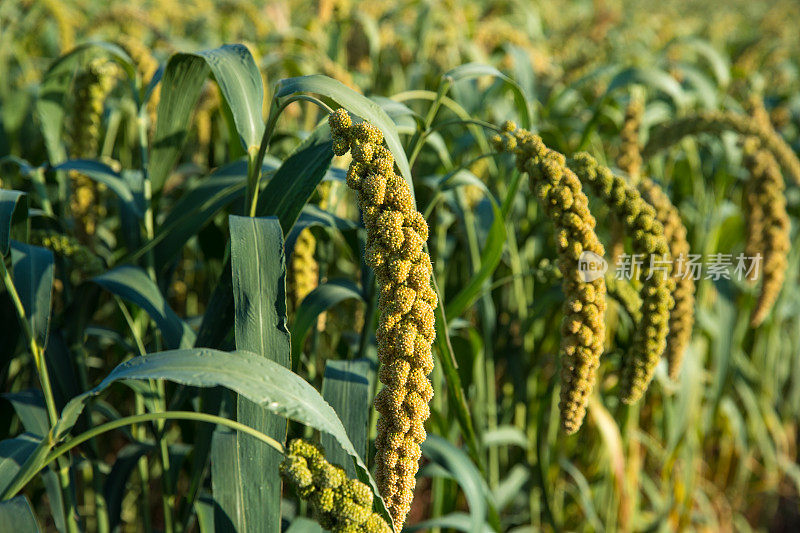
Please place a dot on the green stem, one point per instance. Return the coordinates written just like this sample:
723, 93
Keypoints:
419, 137
139, 431
37, 177
142, 466
37, 352
149, 226
97, 485
255, 160
55, 453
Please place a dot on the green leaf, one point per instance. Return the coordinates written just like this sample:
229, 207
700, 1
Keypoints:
504, 436
718, 62
13, 217
240, 83
457, 398
477, 70
312, 216
457, 521
491, 255
17, 515
116, 480
257, 378
283, 197
346, 387
196, 208
650, 77
227, 483
512, 486
132, 284
297, 178
583, 493
180, 89
13, 454
204, 509
458, 465
324, 297
30, 408
259, 293
102, 173
357, 104
33, 278
55, 86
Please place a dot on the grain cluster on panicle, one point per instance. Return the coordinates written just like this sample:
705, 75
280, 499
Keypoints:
303, 271
340, 504
629, 159
650, 244
583, 327
90, 88
768, 226
681, 320
667, 134
396, 235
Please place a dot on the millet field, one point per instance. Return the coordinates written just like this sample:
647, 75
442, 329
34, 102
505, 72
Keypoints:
501, 266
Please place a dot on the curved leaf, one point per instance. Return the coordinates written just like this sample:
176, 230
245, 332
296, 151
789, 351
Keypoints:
180, 89
457, 521
650, 77
240, 84
318, 301
102, 173
257, 378
13, 214
239, 80
346, 386
13, 454
355, 103
505, 436
34, 270
259, 290
458, 464
17, 515
718, 62
29, 406
476, 70
131, 283
116, 480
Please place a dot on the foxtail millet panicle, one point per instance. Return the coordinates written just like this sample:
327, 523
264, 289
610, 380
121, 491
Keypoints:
90, 88
667, 134
396, 235
768, 225
629, 159
647, 235
340, 504
627, 296
681, 320
303, 271
583, 327
68, 247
